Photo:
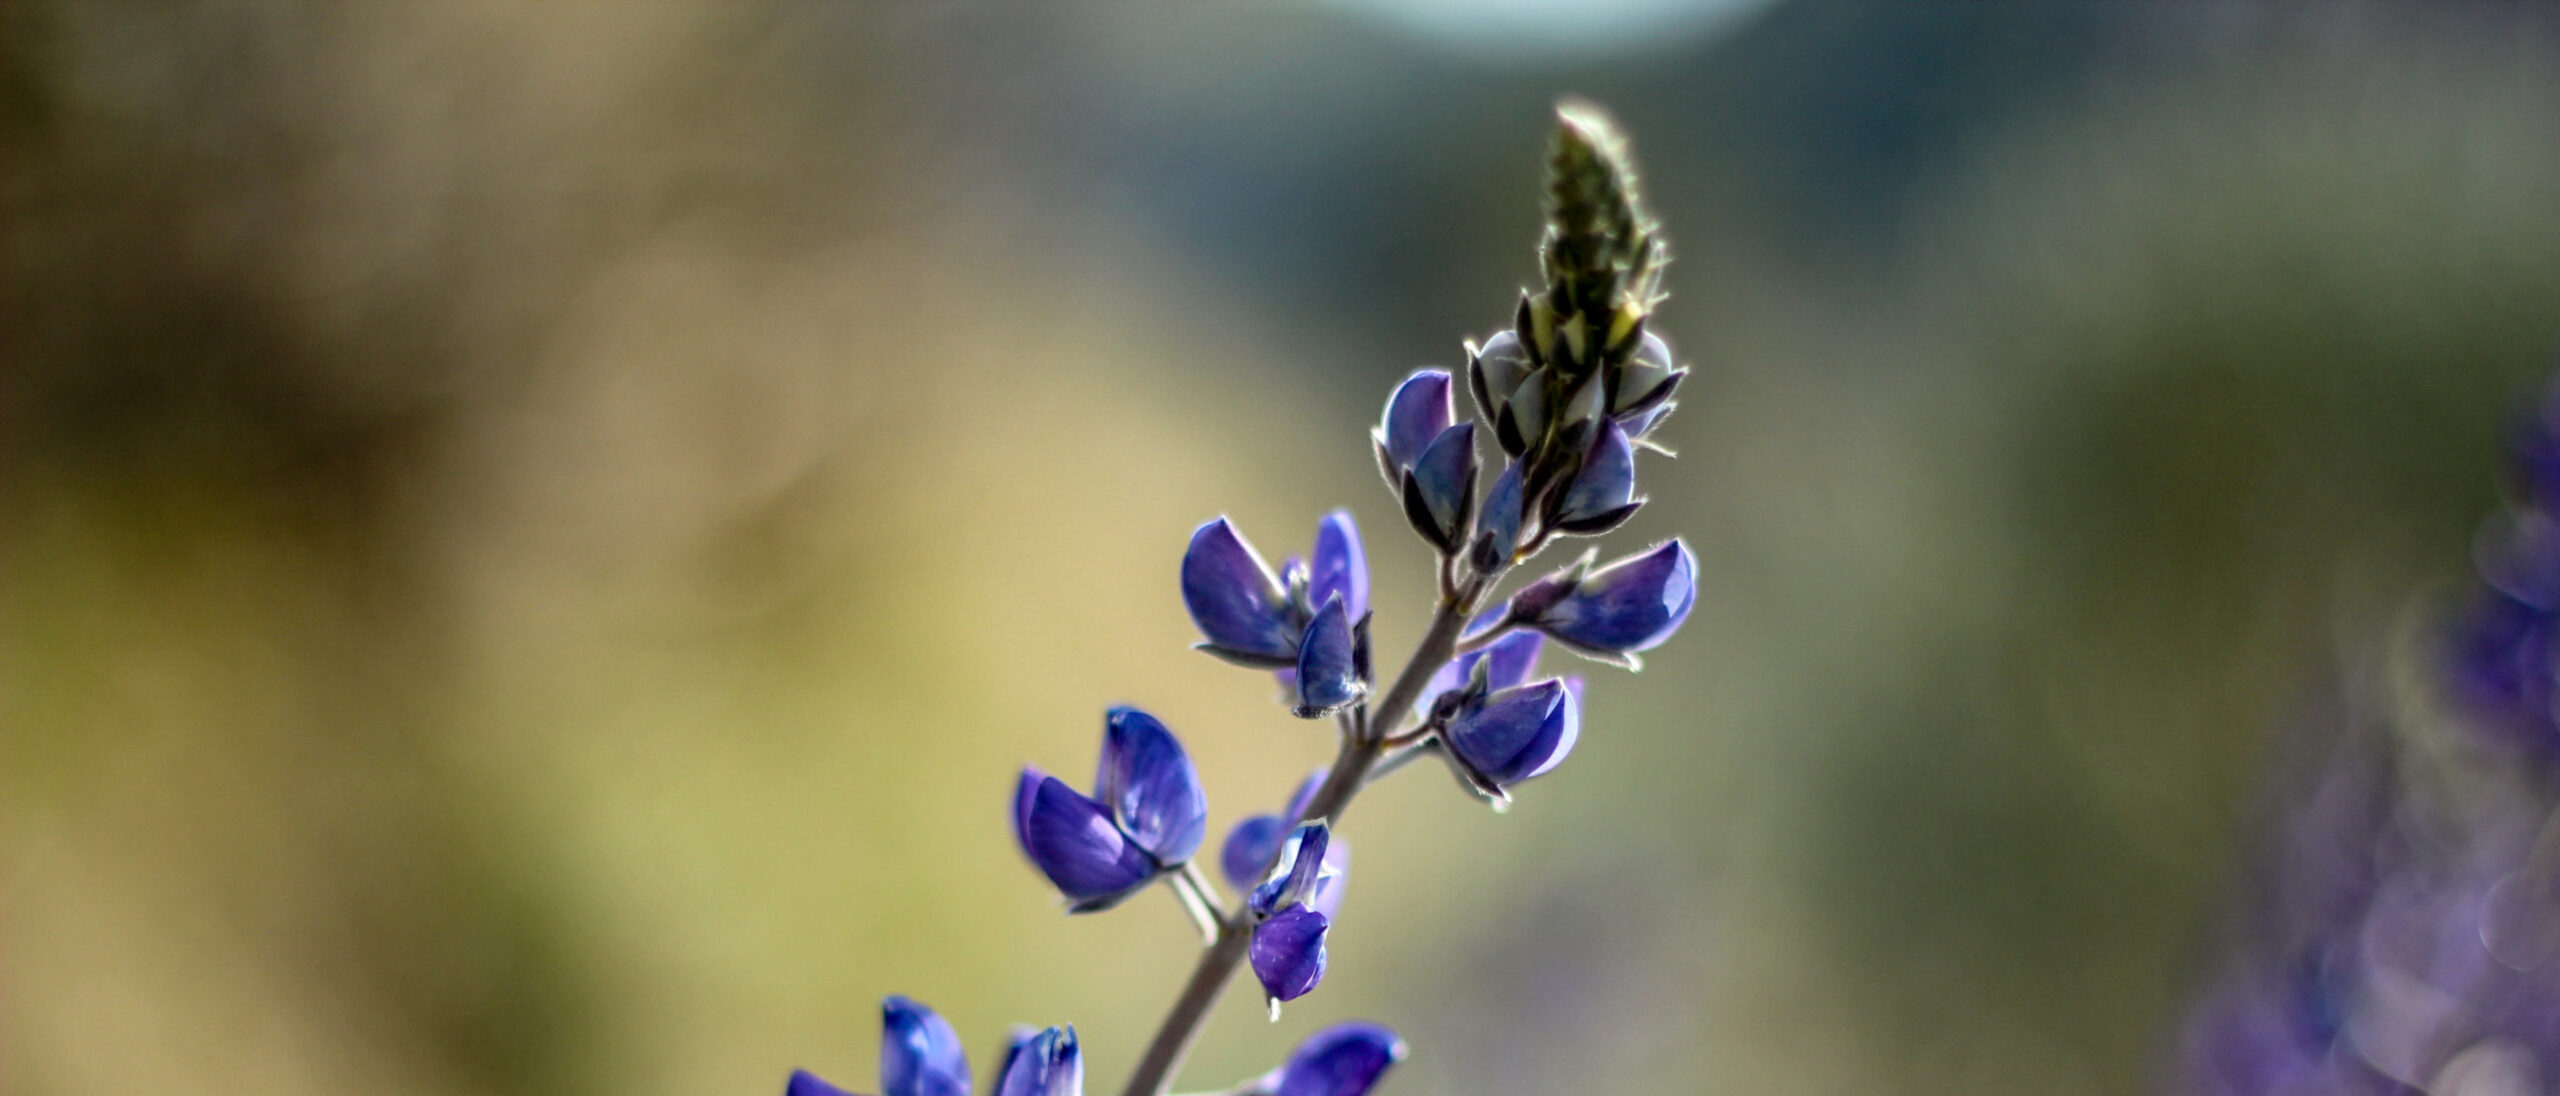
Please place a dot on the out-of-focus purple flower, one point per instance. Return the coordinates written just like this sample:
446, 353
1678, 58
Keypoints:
1520, 732
919, 1056
1235, 600
805, 1083
919, 1053
1439, 489
1611, 614
1147, 815
1416, 414
1346, 1059
1601, 496
1046, 1064
1328, 677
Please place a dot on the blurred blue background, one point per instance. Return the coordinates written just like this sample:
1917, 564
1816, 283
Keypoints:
534, 538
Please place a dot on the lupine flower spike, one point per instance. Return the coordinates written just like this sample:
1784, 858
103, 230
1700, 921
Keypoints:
1569, 392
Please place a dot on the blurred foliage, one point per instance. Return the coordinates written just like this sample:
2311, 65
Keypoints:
532, 537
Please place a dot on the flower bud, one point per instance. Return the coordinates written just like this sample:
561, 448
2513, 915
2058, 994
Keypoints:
1495, 371
1521, 732
1610, 614
1416, 413
1439, 490
1602, 494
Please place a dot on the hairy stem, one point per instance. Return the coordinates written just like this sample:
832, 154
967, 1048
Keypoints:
1360, 751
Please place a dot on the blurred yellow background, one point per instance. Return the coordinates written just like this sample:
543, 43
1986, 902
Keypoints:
535, 538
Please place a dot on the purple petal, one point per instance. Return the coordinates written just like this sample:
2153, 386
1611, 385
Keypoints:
1249, 847
1150, 786
805, 1083
1606, 482
1417, 412
1288, 952
1047, 1064
2502, 671
1631, 605
1300, 865
1338, 565
1342, 1060
1513, 734
1555, 740
1073, 841
1515, 657
1328, 677
1443, 476
1233, 597
919, 1053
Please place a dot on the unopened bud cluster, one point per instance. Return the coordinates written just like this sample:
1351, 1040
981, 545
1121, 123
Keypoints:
1567, 394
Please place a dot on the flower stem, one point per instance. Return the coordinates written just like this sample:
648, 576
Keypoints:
1350, 771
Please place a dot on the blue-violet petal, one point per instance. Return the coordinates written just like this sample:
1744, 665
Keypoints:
919, 1053
1233, 597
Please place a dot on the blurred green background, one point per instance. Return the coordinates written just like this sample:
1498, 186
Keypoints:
533, 538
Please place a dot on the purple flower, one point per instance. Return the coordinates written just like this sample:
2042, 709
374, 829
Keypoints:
919, 1056
1439, 488
1311, 624
1146, 816
1611, 614
1343, 1060
1296, 905
1416, 414
1288, 953
1601, 496
1520, 732
1047, 1063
